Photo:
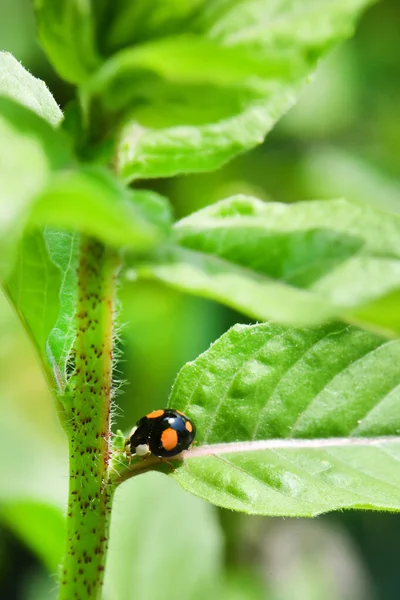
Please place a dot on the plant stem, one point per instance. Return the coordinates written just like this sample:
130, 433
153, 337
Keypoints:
88, 406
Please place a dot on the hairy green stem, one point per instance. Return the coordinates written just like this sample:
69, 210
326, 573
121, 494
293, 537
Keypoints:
88, 405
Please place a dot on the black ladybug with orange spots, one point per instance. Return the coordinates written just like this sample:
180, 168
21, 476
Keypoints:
164, 433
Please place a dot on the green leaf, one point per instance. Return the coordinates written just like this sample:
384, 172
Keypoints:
298, 263
40, 526
92, 201
17, 83
215, 81
42, 284
149, 151
133, 22
141, 527
186, 60
305, 417
67, 32
240, 288
30, 151
42, 288
38, 267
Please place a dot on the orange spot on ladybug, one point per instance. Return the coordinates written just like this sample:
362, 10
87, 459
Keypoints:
169, 439
155, 414
189, 426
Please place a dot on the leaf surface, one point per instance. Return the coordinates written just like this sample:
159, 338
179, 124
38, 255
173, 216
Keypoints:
309, 420
93, 201
44, 202
42, 284
298, 263
30, 151
133, 22
203, 82
67, 32
17, 83
42, 287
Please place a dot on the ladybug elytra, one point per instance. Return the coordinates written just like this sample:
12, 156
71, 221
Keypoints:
164, 433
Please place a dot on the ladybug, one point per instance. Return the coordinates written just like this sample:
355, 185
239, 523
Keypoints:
164, 433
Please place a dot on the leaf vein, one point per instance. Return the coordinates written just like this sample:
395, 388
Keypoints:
352, 363
288, 369
371, 409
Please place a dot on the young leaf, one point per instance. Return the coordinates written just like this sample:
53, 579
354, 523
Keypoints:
17, 83
67, 32
215, 82
298, 263
92, 201
293, 422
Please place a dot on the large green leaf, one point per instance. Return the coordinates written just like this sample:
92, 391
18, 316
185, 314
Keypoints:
215, 81
17, 83
67, 32
294, 421
299, 263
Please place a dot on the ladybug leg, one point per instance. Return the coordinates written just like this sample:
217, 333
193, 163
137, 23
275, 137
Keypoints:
128, 452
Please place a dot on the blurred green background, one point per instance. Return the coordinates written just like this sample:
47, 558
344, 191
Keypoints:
342, 139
